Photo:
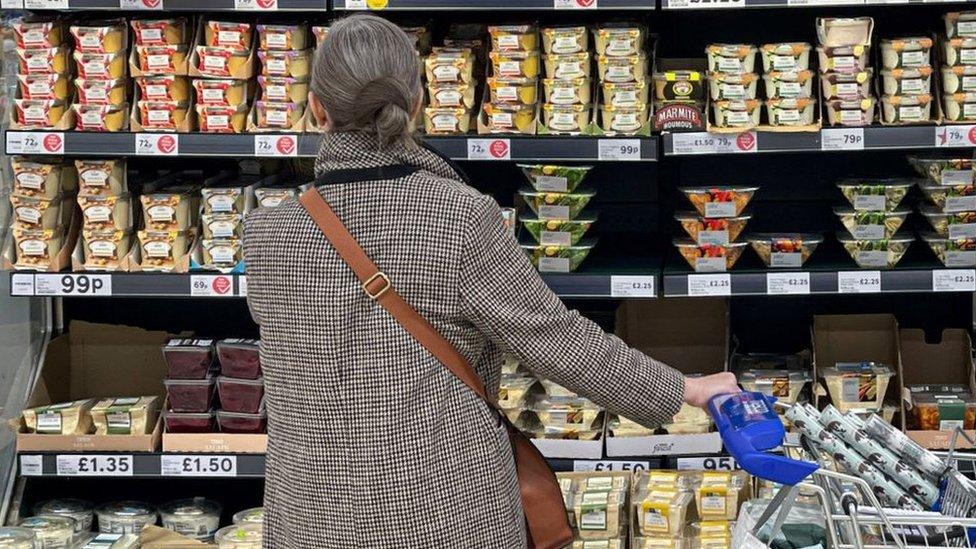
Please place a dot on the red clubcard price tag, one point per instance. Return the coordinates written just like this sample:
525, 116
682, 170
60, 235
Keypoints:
275, 145
150, 5
211, 286
35, 143
489, 149
575, 4
157, 144
955, 136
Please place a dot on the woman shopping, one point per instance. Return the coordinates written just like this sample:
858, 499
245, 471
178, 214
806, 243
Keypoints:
386, 298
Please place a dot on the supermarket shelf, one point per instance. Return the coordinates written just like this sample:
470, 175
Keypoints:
737, 4
827, 139
468, 5
587, 149
163, 285
171, 5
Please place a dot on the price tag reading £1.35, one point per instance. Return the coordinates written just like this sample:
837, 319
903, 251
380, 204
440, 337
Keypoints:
74, 465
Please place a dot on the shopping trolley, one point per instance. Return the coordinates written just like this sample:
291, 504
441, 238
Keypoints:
853, 516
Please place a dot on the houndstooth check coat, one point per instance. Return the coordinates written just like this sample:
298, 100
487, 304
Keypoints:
372, 442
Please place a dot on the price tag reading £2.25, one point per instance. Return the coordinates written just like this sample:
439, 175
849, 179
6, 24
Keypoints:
709, 285
954, 280
859, 282
788, 283
632, 286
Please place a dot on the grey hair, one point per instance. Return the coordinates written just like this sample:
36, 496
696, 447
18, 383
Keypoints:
367, 76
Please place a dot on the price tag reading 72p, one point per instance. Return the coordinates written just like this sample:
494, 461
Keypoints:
157, 144
275, 145
489, 149
35, 143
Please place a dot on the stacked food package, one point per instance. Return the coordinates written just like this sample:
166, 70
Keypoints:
452, 90
959, 68
712, 245
224, 63
107, 214
858, 387
567, 86
101, 58
163, 98
689, 420
42, 200
514, 58
906, 80
950, 186
596, 506
286, 54
44, 72
940, 407
844, 53
732, 84
109, 416
559, 222
193, 381
784, 377
872, 220
223, 206
789, 85
170, 208
624, 64
672, 508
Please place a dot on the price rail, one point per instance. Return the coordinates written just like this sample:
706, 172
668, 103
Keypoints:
59, 464
818, 282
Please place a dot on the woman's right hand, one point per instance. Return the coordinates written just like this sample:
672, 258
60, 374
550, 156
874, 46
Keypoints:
699, 390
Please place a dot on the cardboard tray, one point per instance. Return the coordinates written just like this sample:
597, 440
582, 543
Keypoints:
97, 361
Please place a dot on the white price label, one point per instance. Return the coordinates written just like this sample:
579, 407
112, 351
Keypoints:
954, 280
256, 5
157, 144
22, 284
842, 139
709, 285
198, 466
141, 5
489, 149
713, 143
859, 282
276, 145
35, 143
632, 286
575, 4
31, 466
242, 286
585, 465
955, 136
72, 285
619, 149
211, 286
355, 5
703, 4
12, 4
788, 283
94, 465
708, 464
46, 4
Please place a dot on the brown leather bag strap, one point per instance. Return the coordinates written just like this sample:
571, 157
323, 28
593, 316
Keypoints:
377, 286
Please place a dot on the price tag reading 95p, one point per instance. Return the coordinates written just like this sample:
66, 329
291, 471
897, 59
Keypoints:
619, 149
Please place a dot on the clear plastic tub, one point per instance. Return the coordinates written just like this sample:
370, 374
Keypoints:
600, 514
743, 114
871, 225
190, 395
125, 517
240, 358
188, 358
513, 390
733, 86
786, 56
198, 518
850, 112
884, 253
785, 385
952, 252
718, 494
13, 537
716, 202
240, 395
233, 422
782, 84
81, 511
956, 170
844, 31
52, 532
558, 259
849, 87
567, 415
950, 225
177, 422
719, 231
943, 411
621, 427
844, 59
875, 195
857, 386
911, 52
731, 58
558, 232
784, 250
951, 198
554, 179
906, 81
254, 515
959, 79
239, 536
551, 205
959, 107
705, 258
906, 109
618, 40
614, 543
793, 111
661, 511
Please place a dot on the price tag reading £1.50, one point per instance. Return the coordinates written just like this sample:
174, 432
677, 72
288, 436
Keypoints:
198, 466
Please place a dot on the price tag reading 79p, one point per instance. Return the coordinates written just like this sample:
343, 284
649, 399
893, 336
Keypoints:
713, 143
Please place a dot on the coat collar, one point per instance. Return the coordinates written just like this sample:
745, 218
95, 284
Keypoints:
359, 150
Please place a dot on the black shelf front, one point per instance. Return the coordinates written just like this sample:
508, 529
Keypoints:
737, 4
488, 148
468, 5
173, 5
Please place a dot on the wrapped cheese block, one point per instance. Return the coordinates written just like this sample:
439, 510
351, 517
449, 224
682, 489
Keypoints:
69, 418
125, 416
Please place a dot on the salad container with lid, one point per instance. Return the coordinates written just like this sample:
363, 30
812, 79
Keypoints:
79, 510
960, 51
784, 84
558, 232
52, 531
956, 170
784, 250
959, 79
959, 106
254, 515
856, 112
14, 537
714, 202
912, 81
234, 422
239, 358
786, 56
709, 258
189, 422
125, 517
189, 395
240, 395
736, 114
951, 198
785, 385
871, 225
857, 386
849, 87
844, 59
552, 178
794, 111
883, 253
188, 358
875, 195
712, 230
954, 225
558, 259
239, 536
618, 40
198, 518
574, 91
552, 205
906, 109
952, 252
734, 86
911, 52
565, 39
844, 31
732, 58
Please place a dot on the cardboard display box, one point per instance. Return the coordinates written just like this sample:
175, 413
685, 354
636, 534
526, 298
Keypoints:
856, 338
97, 361
692, 336
950, 361
234, 443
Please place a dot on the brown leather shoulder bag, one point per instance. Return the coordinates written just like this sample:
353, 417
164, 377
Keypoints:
542, 500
